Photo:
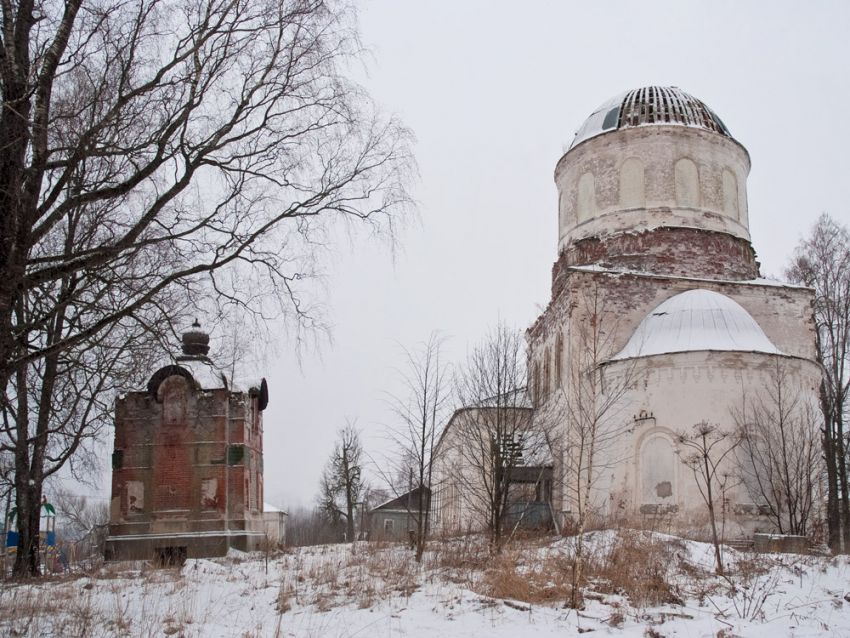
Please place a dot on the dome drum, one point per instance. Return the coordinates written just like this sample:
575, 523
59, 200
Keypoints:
650, 177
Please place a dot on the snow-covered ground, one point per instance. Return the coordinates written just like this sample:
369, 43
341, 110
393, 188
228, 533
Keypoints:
640, 584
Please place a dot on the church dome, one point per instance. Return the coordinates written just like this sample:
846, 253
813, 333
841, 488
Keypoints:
196, 342
651, 105
697, 320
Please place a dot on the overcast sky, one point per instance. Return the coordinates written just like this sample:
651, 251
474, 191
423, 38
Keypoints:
494, 92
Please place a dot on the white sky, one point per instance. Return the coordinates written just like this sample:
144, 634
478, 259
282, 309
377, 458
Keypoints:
494, 92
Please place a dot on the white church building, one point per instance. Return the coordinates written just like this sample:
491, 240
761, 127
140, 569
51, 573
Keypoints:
659, 318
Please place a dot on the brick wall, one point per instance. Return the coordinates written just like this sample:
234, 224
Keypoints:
183, 457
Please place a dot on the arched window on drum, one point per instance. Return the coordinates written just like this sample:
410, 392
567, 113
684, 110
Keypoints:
586, 204
631, 184
687, 183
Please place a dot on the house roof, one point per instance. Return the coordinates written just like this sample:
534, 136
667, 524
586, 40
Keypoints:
403, 501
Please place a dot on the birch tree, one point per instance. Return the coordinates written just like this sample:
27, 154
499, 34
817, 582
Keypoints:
342, 480
822, 262
157, 155
420, 411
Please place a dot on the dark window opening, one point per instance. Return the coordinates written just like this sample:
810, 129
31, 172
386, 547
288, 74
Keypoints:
611, 118
171, 556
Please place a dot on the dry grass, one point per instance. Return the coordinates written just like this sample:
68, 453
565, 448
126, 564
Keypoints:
516, 575
640, 567
627, 572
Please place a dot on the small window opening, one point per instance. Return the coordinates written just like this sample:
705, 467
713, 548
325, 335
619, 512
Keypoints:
171, 556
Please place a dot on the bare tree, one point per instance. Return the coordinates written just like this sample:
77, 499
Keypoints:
157, 153
85, 523
822, 262
704, 451
420, 411
780, 452
56, 409
341, 483
589, 406
492, 434
80, 515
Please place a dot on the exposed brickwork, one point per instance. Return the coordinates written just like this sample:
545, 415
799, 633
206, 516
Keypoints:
185, 461
645, 214
683, 252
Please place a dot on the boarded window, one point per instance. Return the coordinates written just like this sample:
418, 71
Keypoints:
389, 524
135, 497
209, 493
658, 465
586, 204
730, 194
631, 184
687, 183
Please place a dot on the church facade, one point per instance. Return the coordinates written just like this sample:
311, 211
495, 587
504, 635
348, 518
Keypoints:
659, 319
187, 465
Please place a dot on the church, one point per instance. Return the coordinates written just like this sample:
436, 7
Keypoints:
187, 465
659, 320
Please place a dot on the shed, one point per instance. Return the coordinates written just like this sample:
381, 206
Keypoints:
394, 519
274, 523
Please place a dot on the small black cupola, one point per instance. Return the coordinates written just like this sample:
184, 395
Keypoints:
196, 342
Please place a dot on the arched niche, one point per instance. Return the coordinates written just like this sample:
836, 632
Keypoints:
173, 394
586, 199
566, 212
559, 358
658, 463
632, 192
687, 183
730, 194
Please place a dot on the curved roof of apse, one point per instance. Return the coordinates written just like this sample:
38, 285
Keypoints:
697, 320
650, 105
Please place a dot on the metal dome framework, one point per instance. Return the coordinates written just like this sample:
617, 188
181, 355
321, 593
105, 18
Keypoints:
651, 105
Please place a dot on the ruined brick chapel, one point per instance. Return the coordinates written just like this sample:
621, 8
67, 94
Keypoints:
187, 466
655, 262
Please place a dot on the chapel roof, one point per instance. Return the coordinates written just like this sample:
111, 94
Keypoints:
650, 105
697, 320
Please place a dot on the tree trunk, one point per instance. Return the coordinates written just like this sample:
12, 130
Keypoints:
841, 457
833, 520
28, 502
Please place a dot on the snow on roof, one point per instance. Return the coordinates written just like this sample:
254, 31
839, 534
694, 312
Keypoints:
268, 507
517, 398
758, 281
595, 124
697, 320
204, 371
